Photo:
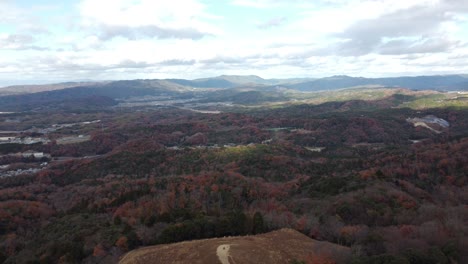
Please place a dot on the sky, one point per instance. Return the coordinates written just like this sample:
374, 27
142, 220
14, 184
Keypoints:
54, 41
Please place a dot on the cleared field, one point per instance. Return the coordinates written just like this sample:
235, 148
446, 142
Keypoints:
72, 140
282, 246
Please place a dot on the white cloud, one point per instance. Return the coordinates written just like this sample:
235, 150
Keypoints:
18, 42
415, 29
272, 23
273, 3
146, 18
337, 15
140, 12
256, 3
9, 13
126, 39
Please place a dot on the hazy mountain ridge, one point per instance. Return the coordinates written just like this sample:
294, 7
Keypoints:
436, 82
35, 88
111, 90
439, 83
204, 83
249, 89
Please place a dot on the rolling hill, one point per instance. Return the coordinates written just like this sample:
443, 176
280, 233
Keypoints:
438, 83
282, 246
239, 89
111, 90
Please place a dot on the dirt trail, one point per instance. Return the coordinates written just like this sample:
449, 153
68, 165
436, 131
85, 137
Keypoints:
223, 253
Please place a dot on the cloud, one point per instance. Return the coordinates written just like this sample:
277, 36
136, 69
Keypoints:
82, 44
254, 3
9, 13
15, 39
271, 23
125, 39
424, 45
270, 3
23, 20
51, 66
386, 33
140, 19
454, 5
107, 32
18, 42
177, 62
223, 60
130, 64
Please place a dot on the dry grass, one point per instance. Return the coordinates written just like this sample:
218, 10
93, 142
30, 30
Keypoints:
282, 246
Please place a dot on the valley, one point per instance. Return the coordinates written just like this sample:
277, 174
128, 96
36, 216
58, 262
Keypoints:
88, 174
229, 132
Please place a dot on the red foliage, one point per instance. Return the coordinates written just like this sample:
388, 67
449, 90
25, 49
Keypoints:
122, 243
99, 251
319, 258
407, 230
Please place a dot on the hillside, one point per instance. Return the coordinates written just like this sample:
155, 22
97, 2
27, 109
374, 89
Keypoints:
438, 83
111, 90
219, 91
25, 89
355, 173
382, 171
277, 247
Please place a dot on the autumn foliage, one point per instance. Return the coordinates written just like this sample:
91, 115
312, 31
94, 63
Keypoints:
161, 176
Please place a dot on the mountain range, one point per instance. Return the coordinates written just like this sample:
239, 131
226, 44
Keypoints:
27, 97
438, 83
434, 82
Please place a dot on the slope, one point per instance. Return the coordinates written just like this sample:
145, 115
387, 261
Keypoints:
282, 246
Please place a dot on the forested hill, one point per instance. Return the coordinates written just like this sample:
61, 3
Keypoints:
438, 82
389, 183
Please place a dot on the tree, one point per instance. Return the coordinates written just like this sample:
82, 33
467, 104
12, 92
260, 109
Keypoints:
99, 251
117, 220
258, 224
122, 243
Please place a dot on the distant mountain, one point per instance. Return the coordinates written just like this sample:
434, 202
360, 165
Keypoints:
249, 89
204, 83
223, 81
439, 83
290, 81
240, 79
25, 89
237, 80
232, 81
111, 90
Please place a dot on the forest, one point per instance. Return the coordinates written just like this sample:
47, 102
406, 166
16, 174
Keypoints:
355, 173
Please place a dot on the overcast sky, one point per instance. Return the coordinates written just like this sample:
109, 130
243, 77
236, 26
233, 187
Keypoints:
45, 40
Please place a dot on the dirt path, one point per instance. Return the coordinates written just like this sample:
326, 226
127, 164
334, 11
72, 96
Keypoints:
223, 253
